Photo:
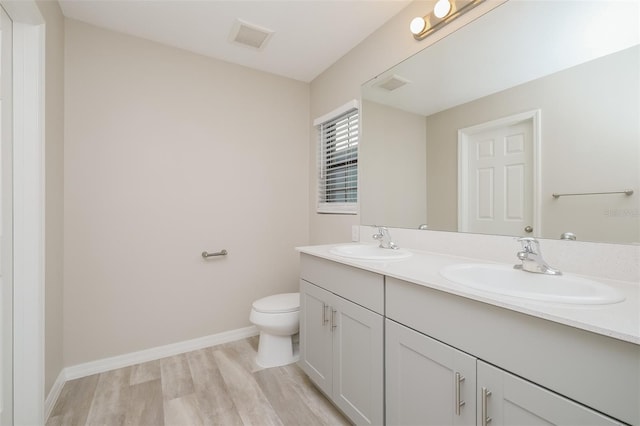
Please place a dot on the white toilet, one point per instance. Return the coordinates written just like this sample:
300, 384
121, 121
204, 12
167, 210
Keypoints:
278, 320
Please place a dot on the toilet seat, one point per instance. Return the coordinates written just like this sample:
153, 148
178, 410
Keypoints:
278, 303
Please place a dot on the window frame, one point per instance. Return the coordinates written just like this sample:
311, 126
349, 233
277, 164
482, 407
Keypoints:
323, 206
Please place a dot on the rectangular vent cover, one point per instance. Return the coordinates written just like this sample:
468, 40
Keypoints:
392, 83
250, 35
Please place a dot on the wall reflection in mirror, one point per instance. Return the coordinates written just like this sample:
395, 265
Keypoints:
477, 132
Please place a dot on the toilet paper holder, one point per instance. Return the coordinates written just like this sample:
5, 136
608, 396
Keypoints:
222, 252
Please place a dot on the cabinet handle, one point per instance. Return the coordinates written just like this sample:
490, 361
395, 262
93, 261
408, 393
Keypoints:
333, 319
324, 314
459, 403
486, 393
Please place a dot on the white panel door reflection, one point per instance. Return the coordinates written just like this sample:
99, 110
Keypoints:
496, 179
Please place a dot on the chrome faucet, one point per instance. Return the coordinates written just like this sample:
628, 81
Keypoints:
531, 258
384, 237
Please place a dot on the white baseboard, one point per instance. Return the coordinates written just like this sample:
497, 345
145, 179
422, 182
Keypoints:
107, 364
53, 395
125, 360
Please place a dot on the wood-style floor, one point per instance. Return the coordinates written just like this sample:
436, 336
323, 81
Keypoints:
220, 385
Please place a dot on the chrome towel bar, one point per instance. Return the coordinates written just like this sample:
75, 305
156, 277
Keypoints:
222, 252
626, 192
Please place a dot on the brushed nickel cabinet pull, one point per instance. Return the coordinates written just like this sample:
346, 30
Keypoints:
486, 393
333, 319
459, 403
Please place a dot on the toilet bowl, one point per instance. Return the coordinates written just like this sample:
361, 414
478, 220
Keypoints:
277, 318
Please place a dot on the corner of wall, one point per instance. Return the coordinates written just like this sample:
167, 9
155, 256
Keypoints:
54, 190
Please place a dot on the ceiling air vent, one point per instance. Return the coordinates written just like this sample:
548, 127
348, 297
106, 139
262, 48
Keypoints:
392, 83
250, 35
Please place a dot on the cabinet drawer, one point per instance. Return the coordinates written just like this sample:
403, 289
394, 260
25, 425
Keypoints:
359, 286
578, 364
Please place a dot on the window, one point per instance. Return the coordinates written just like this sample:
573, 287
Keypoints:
338, 134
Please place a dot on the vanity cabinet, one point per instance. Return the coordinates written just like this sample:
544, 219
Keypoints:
431, 383
453, 360
527, 370
341, 339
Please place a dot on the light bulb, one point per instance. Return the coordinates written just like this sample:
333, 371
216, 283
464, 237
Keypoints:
442, 8
417, 25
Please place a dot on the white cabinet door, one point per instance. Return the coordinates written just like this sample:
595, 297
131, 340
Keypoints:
505, 399
316, 345
358, 362
341, 350
427, 382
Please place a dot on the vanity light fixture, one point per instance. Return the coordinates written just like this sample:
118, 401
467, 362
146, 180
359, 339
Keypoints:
443, 12
442, 8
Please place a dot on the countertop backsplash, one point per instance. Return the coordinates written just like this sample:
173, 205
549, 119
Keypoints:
612, 261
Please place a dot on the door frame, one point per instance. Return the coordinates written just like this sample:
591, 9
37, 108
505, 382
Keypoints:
464, 136
6, 248
28, 207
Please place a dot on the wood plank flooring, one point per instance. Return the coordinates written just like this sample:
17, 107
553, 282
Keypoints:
220, 385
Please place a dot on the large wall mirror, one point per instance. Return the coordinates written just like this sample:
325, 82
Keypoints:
479, 131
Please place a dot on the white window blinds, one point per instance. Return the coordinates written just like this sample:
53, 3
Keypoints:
338, 161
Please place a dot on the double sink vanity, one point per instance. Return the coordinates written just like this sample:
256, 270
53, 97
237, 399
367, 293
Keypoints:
429, 337
413, 337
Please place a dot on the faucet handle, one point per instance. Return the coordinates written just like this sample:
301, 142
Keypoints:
530, 244
384, 237
531, 258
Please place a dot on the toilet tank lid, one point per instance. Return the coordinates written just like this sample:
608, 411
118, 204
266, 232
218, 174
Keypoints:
286, 302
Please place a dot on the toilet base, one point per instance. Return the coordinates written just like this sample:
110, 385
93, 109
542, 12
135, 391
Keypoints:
275, 351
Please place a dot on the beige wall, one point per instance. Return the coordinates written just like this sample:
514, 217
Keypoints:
393, 165
589, 143
168, 154
54, 189
341, 82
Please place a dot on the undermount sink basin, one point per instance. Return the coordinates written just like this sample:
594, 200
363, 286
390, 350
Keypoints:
505, 280
369, 252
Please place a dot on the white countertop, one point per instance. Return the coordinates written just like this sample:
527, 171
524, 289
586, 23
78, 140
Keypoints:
620, 320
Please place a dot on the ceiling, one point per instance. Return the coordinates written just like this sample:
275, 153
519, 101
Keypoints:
309, 35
